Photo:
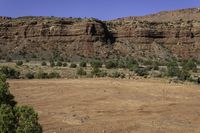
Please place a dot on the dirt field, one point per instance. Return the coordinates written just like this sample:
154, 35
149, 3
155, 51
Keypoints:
111, 106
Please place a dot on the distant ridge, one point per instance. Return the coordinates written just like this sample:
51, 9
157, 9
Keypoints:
164, 16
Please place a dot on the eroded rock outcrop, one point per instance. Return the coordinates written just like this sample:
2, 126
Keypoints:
141, 37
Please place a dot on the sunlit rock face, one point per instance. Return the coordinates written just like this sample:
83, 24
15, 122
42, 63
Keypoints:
159, 36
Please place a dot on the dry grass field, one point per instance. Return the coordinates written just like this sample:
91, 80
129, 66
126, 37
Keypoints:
111, 105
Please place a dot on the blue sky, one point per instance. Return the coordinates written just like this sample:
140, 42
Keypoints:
101, 9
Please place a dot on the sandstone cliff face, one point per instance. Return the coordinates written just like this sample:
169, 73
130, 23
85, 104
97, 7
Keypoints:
53, 37
158, 40
50, 37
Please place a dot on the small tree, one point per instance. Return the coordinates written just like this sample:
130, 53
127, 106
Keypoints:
27, 120
8, 59
59, 64
98, 73
54, 75
117, 75
5, 96
141, 71
19, 63
173, 69
52, 63
64, 64
96, 64
111, 64
130, 62
29, 75
83, 64
190, 65
81, 71
15, 119
9, 72
7, 119
73, 65
43, 63
41, 75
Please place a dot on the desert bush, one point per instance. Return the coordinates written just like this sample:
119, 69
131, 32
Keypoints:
5, 96
155, 65
147, 62
10, 72
52, 63
189, 65
73, 65
8, 59
81, 71
29, 75
43, 63
19, 63
183, 75
121, 64
54, 75
65, 64
141, 71
173, 69
83, 64
59, 64
13, 118
117, 75
111, 64
98, 73
96, 64
27, 120
27, 60
130, 62
133, 67
41, 75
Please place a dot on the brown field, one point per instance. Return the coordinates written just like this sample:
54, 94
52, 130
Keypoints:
111, 106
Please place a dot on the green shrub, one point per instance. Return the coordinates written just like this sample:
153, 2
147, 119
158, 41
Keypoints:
133, 67
65, 64
81, 71
130, 62
19, 63
59, 64
41, 75
8, 59
10, 72
27, 120
155, 66
96, 64
117, 75
7, 119
27, 60
13, 118
98, 73
29, 75
141, 71
5, 96
52, 63
43, 63
183, 75
121, 64
73, 65
189, 65
173, 69
111, 64
54, 75
83, 64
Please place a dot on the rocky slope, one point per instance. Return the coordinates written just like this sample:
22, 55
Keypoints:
158, 36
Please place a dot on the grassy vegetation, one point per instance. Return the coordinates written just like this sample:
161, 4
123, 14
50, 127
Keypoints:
122, 68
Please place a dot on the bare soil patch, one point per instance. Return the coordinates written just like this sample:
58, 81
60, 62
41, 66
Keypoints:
111, 106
